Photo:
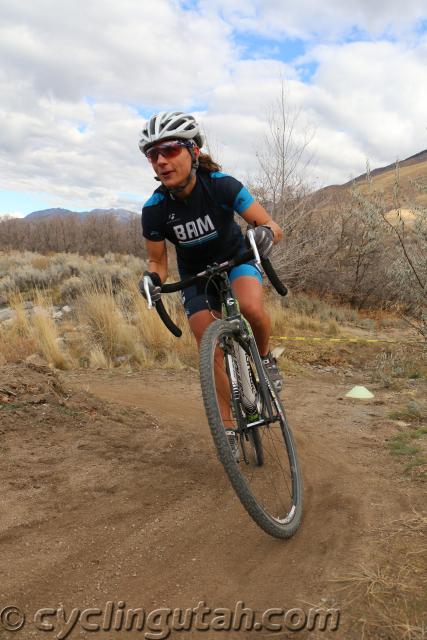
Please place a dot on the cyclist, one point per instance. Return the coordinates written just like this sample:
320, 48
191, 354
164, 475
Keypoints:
194, 209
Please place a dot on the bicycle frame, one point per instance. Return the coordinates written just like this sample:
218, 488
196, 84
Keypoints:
243, 332
269, 484
232, 314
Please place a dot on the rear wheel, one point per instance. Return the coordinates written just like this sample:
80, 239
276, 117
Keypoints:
268, 482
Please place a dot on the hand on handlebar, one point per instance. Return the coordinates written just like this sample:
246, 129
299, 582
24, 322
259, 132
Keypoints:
154, 285
263, 237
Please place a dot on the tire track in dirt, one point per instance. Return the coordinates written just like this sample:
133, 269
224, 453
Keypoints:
162, 527
343, 497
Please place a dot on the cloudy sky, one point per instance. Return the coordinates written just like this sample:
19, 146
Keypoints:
78, 78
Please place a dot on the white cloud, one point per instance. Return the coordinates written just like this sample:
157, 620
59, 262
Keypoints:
132, 53
73, 75
376, 92
47, 153
308, 18
367, 101
142, 52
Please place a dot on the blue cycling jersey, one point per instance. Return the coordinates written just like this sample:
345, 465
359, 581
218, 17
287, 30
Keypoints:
202, 227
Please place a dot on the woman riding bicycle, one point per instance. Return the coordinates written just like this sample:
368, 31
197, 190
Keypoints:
194, 209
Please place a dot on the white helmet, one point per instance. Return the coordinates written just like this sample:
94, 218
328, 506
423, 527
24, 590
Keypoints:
168, 125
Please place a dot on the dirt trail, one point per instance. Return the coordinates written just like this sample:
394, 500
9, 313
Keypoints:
127, 502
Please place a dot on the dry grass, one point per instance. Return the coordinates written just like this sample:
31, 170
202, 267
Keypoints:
384, 182
21, 323
390, 596
45, 334
26, 335
15, 347
305, 318
111, 325
165, 349
40, 262
118, 328
107, 333
410, 525
399, 362
16, 341
46, 338
390, 600
97, 358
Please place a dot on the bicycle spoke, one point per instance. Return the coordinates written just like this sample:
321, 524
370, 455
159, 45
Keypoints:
271, 484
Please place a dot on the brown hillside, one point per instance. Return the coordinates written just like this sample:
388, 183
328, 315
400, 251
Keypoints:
410, 171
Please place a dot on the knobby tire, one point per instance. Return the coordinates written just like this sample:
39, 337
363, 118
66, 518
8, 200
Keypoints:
287, 524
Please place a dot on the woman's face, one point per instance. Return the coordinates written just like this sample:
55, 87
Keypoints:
173, 171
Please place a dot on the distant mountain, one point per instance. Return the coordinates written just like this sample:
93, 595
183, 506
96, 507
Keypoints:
48, 212
412, 169
417, 159
120, 214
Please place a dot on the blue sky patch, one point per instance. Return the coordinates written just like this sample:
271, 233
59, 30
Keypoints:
421, 28
24, 202
254, 47
188, 5
355, 34
145, 112
129, 196
307, 70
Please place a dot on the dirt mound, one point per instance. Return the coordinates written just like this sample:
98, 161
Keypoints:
26, 384
61, 445
36, 394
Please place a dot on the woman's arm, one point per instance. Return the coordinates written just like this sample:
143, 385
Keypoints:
157, 258
256, 215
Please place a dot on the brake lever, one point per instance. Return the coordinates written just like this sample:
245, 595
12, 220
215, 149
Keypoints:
147, 292
251, 236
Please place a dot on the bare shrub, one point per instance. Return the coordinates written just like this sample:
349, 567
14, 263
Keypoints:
91, 234
71, 288
375, 253
66, 272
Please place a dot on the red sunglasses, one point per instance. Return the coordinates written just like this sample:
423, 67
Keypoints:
168, 149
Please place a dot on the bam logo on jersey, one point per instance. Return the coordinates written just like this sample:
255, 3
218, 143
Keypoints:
195, 231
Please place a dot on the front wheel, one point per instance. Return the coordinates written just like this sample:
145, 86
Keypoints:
270, 489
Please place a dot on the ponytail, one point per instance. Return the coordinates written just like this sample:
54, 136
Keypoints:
206, 164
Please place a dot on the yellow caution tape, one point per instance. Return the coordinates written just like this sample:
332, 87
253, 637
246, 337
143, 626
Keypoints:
348, 339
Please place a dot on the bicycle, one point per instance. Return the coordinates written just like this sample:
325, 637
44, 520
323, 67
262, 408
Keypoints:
267, 478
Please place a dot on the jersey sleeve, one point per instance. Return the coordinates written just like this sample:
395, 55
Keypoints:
231, 193
151, 218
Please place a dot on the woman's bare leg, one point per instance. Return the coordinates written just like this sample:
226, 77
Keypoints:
199, 322
250, 294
